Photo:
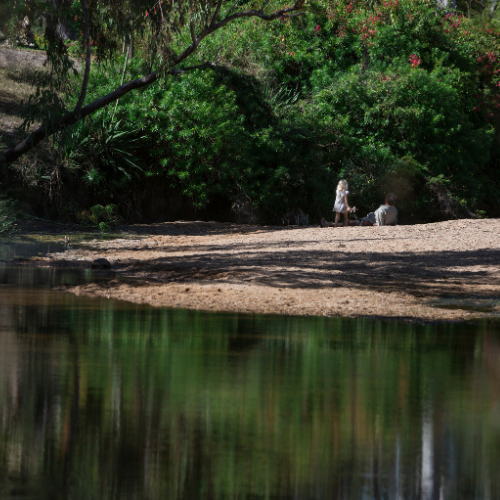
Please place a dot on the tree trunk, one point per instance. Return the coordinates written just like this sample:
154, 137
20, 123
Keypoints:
131, 55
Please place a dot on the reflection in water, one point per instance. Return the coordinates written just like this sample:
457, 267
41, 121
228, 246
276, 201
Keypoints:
427, 458
103, 399
10, 250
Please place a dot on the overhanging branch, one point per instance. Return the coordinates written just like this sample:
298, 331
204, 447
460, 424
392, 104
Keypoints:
73, 117
79, 113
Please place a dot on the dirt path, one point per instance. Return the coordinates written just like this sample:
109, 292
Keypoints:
397, 272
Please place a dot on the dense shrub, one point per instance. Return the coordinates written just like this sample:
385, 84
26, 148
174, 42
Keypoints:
397, 96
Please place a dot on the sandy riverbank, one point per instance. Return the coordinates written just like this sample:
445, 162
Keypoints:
397, 272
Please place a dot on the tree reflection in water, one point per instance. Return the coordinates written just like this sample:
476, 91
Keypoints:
102, 399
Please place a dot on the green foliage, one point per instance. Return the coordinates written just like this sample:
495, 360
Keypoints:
40, 42
105, 150
398, 96
8, 214
102, 216
216, 135
105, 228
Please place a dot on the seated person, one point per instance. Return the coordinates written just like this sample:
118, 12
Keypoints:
385, 215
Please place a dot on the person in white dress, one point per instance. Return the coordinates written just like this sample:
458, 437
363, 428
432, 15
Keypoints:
341, 204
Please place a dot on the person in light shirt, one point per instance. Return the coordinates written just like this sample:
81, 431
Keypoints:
387, 215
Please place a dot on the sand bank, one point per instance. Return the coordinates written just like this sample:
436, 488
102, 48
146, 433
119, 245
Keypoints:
442, 271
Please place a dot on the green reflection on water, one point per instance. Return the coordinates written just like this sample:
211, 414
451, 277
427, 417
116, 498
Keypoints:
104, 399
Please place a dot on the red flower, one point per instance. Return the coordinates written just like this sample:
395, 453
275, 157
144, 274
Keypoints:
415, 60
76, 18
317, 28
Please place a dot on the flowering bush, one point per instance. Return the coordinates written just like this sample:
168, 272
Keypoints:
371, 107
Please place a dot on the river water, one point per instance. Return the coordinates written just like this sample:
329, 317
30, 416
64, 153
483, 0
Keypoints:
105, 399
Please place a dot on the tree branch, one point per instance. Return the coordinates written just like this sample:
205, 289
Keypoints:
193, 36
248, 13
216, 13
256, 13
232, 7
73, 117
88, 60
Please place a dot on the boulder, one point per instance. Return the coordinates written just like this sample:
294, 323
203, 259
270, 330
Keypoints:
101, 264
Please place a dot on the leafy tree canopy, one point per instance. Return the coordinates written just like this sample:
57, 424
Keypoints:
171, 31
401, 95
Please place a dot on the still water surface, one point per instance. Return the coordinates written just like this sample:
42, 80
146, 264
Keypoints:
105, 399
